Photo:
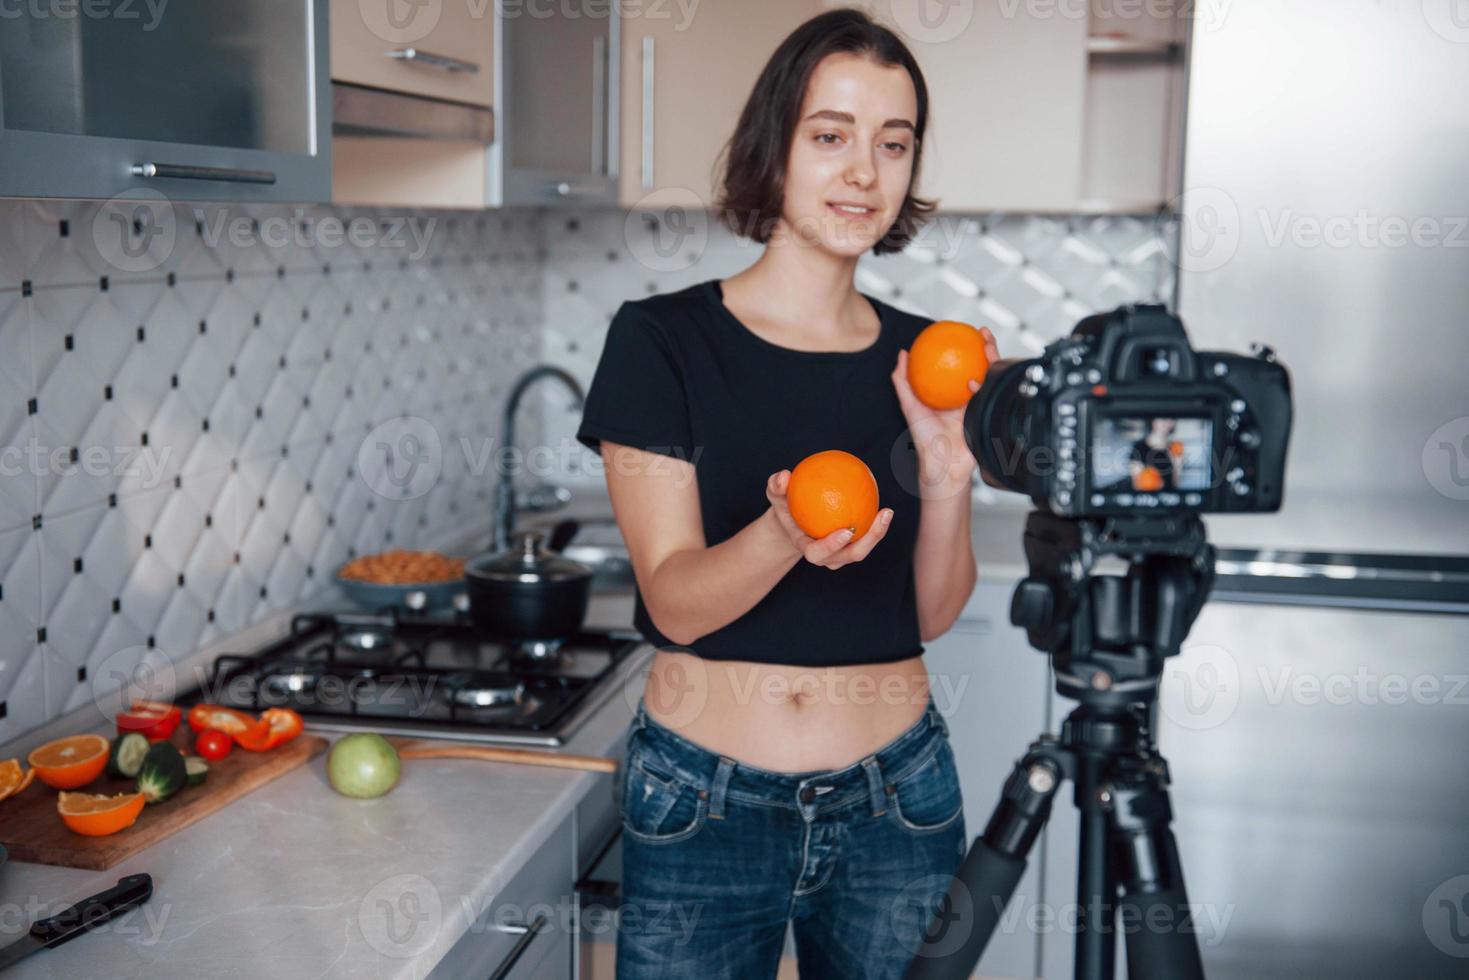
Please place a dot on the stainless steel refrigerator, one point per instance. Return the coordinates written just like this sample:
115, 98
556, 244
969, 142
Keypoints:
1317, 722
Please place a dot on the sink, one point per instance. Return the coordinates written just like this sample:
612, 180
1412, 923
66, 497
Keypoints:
610, 564
598, 543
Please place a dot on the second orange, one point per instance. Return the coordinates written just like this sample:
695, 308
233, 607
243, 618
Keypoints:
942, 360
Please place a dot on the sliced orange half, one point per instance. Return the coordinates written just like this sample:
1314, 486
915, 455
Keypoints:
12, 777
97, 815
70, 762
12, 780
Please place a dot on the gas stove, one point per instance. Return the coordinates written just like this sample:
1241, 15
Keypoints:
424, 675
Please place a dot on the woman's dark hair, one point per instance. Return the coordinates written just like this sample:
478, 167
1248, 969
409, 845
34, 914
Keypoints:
754, 161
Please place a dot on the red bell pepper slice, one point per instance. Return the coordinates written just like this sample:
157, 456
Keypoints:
231, 721
274, 727
284, 725
156, 720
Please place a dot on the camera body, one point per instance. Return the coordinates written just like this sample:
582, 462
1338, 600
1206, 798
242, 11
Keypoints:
1124, 417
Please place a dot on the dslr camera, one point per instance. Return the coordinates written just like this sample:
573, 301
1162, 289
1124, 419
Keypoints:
1123, 417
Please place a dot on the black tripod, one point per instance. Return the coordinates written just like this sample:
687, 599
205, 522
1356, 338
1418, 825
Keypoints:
1108, 636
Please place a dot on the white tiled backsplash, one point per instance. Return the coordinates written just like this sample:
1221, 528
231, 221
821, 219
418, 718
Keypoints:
183, 399
189, 394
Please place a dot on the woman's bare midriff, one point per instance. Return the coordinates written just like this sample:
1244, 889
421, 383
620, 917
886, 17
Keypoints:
785, 718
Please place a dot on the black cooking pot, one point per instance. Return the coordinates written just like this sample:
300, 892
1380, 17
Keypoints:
528, 592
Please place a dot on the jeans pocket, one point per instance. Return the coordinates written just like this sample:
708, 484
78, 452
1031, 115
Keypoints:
658, 806
928, 798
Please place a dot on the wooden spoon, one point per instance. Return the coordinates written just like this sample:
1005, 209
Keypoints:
530, 757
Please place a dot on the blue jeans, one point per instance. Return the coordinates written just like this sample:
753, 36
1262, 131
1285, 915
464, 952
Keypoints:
719, 855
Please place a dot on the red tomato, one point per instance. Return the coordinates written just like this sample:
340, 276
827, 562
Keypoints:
213, 744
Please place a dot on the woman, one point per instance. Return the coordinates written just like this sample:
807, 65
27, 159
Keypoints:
786, 761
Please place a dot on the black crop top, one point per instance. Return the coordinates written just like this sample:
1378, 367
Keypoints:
681, 376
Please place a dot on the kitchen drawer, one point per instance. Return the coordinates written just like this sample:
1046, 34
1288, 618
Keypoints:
544, 886
453, 43
598, 814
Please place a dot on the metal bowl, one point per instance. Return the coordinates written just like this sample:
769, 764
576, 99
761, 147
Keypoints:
610, 564
415, 597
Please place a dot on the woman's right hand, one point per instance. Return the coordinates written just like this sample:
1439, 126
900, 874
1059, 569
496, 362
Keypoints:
834, 550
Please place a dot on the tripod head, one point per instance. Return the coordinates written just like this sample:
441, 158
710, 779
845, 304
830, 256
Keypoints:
1108, 635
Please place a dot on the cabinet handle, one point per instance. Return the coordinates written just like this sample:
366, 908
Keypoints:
599, 107
528, 934
434, 60
180, 171
647, 113
567, 189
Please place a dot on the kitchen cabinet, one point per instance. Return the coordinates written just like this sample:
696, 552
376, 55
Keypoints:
992, 687
526, 931
390, 171
560, 75
1048, 108
413, 98
1132, 139
684, 82
210, 102
1007, 98
439, 50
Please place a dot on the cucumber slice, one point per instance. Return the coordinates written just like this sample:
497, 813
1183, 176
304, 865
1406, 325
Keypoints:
196, 768
127, 755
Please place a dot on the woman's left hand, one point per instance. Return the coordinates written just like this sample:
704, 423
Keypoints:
944, 459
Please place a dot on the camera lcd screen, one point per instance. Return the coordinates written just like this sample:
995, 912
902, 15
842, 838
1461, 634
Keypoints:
1163, 459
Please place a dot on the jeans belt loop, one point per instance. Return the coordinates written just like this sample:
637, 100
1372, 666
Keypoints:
938, 718
716, 790
875, 789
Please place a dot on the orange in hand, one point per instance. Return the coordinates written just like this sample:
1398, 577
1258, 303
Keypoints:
831, 490
942, 360
1148, 480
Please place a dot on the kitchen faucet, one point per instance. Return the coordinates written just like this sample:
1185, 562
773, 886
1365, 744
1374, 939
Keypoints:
504, 488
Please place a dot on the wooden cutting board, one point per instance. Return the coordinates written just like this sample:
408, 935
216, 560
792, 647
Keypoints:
31, 829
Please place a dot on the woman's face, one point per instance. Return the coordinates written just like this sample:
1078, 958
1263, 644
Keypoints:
852, 155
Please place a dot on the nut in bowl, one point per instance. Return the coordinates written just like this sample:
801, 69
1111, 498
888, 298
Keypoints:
402, 578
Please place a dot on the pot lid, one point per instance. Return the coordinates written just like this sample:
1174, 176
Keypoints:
527, 560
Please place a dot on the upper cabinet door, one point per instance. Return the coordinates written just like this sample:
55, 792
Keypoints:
1007, 94
442, 50
558, 67
201, 101
687, 70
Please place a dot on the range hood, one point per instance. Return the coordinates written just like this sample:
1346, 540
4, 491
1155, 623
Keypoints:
359, 110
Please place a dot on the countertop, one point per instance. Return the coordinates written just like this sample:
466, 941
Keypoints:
286, 880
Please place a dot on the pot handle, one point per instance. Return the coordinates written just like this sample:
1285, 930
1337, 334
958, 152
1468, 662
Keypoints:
562, 534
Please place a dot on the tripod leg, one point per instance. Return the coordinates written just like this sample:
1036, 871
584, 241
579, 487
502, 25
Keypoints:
1154, 910
984, 884
1096, 886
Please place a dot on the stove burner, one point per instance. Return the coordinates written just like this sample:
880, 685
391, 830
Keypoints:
365, 638
538, 650
478, 692
282, 684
